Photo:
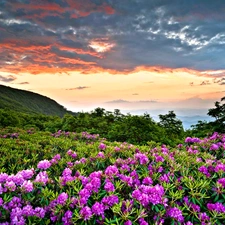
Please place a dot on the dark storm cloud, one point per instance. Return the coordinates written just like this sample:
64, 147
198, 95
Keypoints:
60, 36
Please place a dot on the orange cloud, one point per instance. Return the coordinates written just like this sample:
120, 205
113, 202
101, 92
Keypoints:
86, 7
78, 50
163, 70
32, 56
37, 6
83, 8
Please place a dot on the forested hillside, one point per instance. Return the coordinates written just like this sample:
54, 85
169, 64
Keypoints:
29, 102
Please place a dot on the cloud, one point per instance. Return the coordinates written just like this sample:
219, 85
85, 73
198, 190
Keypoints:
24, 83
205, 82
220, 81
117, 101
77, 88
122, 101
7, 79
94, 36
135, 94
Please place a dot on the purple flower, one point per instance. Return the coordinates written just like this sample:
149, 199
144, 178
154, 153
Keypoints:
98, 209
176, 214
10, 185
192, 140
42, 177
39, 212
159, 158
61, 200
222, 182
203, 217
84, 194
109, 187
66, 219
117, 149
204, 170
17, 179
143, 159
69, 152
3, 177
111, 171
97, 174
109, 201
101, 155
27, 174
146, 194
142, 222
86, 213
195, 207
83, 160
214, 147
67, 172
102, 146
69, 164
165, 178
218, 207
27, 186
44, 164
188, 223
16, 216
128, 222
160, 169
220, 167
95, 184
28, 210
57, 157
15, 202
127, 179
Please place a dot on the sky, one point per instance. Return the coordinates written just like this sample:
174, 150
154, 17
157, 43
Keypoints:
133, 55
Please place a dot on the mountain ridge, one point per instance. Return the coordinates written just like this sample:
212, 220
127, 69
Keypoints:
29, 102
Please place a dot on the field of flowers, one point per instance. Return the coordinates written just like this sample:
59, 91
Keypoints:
79, 178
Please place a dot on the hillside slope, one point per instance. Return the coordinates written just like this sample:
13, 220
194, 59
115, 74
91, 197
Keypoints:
29, 102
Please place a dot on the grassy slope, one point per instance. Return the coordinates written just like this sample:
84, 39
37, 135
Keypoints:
26, 101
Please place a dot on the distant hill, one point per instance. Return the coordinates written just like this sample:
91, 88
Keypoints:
29, 102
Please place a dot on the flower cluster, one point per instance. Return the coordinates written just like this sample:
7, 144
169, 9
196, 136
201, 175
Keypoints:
183, 185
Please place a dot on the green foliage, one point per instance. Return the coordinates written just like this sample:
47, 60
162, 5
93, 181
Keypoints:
114, 126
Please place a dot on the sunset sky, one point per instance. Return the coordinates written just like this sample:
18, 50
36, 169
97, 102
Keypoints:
135, 55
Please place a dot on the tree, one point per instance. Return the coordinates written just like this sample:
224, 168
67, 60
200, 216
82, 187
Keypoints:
173, 126
219, 114
99, 112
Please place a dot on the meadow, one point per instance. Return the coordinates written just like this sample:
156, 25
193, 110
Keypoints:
81, 178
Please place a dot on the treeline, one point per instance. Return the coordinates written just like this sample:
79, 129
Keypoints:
116, 126
202, 128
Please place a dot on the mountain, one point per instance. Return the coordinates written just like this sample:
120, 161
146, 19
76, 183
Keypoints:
29, 102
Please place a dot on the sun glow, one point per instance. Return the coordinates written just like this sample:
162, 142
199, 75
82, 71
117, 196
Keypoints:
101, 45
